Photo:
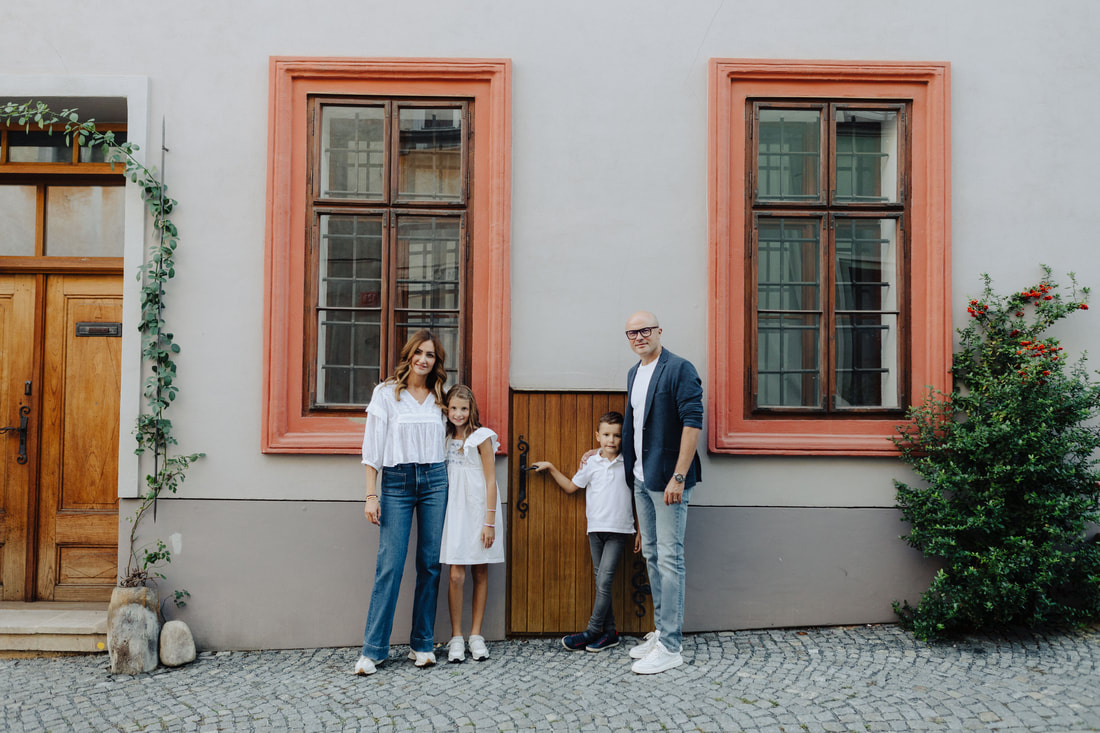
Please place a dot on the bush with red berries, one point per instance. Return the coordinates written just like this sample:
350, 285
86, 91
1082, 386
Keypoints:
1010, 478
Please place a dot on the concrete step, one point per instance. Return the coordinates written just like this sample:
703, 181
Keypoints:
53, 627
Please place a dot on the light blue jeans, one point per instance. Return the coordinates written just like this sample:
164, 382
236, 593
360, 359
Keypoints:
662, 528
408, 488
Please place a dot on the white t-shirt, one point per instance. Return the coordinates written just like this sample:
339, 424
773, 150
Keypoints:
638, 394
402, 431
607, 497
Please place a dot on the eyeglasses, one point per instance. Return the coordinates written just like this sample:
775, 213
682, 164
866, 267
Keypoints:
643, 332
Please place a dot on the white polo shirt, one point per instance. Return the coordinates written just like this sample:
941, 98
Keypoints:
607, 497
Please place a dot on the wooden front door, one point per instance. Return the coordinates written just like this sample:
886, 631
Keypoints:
550, 578
61, 368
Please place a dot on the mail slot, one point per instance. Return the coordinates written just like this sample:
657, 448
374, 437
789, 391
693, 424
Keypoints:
98, 329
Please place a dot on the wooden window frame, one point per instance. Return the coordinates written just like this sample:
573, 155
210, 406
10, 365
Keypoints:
288, 425
390, 207
733, 426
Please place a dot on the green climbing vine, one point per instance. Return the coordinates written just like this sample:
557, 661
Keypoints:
158, 347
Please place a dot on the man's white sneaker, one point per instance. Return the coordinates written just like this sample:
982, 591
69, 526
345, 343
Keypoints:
641, 650
456, 650
422, 659
365, 665
658, 660
478, 650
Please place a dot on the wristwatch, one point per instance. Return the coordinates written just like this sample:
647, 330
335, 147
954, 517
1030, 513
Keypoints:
678, 478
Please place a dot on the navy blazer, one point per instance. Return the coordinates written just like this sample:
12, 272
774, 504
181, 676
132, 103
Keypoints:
674, 401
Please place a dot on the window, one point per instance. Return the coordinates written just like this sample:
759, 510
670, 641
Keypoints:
388, 212
827, 194
60, 200
829, 253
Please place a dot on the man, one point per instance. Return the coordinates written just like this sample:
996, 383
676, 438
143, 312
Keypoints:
664, 416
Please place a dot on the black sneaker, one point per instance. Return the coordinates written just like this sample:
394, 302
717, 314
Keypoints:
606, 641
575, 642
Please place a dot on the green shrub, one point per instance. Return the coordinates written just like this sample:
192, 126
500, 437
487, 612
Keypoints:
1011, 477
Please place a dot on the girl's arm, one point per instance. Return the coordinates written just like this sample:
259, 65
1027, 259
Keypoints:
373, 508
488, 530
560, 479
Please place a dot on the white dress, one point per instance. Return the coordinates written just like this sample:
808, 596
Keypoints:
466, 504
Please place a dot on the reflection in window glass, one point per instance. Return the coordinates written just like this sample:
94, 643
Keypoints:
867, 156
352, 152
349, 310
84, 221
38, 146
789, 154
17, 212
429, 160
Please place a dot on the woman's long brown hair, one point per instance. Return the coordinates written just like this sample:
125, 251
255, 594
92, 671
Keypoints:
436, 378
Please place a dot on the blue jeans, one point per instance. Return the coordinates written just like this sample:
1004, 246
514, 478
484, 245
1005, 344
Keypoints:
662, 528
407, 488
607, 548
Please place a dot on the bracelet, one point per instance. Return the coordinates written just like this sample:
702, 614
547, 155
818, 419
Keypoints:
491, 526
372, 496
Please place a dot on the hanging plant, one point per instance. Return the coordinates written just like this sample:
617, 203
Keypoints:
158, 347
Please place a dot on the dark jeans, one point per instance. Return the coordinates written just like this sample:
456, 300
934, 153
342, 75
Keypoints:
607, 548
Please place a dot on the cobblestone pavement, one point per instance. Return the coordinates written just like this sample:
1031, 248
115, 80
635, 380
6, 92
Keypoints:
863, 678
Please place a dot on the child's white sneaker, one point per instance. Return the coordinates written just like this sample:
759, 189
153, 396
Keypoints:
478, 650
422, 659
641, 650
456, 650
365, 665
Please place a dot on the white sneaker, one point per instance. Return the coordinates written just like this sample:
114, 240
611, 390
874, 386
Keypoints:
456, 650
422, 659
365, 665
478, 650
658, 660
639, 651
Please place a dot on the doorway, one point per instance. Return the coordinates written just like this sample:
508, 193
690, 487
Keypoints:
59, 387
550, 576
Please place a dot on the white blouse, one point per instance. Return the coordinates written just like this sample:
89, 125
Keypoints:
402, 431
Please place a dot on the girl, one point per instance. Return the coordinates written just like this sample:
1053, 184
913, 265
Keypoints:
473, 509
404, 440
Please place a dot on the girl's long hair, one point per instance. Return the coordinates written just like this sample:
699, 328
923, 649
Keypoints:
436, 378
465, 393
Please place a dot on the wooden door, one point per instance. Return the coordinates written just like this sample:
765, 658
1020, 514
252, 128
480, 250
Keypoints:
78, 485
550, 578
62, 361
17, 308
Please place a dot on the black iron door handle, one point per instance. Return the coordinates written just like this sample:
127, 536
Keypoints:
521, 500
24, 412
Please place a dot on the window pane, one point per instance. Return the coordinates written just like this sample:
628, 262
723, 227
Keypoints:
349, 298
788, 360
96, 154
17, 210
788, 159
84, 221
429, 162
867, 360
866, 265
38, 147
867, 156
353, 152
428, 258
788, 264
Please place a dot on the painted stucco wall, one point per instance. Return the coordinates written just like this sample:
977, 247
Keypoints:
609, 197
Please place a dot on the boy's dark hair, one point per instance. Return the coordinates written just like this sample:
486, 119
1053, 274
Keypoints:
611, 418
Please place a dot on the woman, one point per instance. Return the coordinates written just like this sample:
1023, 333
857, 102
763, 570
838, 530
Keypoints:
404, 438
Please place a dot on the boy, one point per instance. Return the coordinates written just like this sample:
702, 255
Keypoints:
610, 524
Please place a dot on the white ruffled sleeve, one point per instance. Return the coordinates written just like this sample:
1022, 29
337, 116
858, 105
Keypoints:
478, 437
374, 434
